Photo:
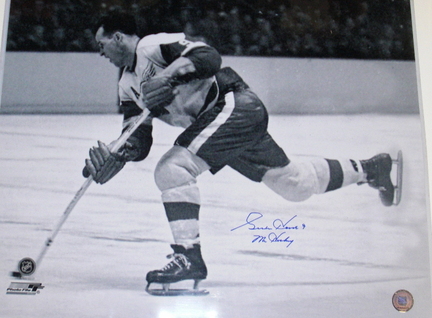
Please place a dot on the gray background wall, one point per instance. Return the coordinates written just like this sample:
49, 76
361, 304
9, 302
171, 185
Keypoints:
58, 83
87, 83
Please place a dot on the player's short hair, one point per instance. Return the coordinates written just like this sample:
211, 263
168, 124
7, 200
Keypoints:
117, 22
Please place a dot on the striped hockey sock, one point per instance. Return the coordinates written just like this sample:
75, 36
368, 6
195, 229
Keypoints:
344, 172
184, 222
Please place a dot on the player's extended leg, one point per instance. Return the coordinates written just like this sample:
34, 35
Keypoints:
175, 176
303, 176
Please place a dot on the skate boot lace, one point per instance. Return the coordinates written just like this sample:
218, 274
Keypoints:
179, 260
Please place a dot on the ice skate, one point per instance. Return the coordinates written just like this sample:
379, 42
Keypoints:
378, 175
186, 264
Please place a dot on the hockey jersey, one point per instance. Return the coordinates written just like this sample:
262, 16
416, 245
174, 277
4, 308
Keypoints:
153, 54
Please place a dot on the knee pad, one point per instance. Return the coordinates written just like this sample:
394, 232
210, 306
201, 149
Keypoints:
175, 175
299, 180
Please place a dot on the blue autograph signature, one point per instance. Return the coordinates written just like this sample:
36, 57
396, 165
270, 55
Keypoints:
278, 227
277, 224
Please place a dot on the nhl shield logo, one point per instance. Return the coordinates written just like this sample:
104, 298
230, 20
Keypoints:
27, 266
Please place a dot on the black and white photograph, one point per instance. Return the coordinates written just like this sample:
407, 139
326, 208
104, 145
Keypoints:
214, 159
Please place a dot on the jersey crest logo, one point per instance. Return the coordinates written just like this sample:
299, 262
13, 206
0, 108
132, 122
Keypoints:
149, 72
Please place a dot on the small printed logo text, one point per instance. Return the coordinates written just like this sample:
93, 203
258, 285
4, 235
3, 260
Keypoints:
22, 288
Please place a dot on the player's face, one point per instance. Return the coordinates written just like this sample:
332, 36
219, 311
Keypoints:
111, 47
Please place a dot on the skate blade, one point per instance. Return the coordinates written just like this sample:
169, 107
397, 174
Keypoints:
166, 291
177, 292
399, 178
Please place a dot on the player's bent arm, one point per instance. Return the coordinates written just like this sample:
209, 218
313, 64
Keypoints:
207, 61
199, 63
138, 145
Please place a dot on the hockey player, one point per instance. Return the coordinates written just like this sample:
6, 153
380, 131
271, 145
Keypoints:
225, 124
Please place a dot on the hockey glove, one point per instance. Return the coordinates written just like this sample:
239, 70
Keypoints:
158, 93
103, 165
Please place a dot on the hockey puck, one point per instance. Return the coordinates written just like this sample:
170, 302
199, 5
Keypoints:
26, 266
16, 274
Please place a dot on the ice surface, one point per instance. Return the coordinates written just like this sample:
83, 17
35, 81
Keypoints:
350, 258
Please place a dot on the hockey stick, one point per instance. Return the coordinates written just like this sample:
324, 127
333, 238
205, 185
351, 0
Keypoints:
27, 266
